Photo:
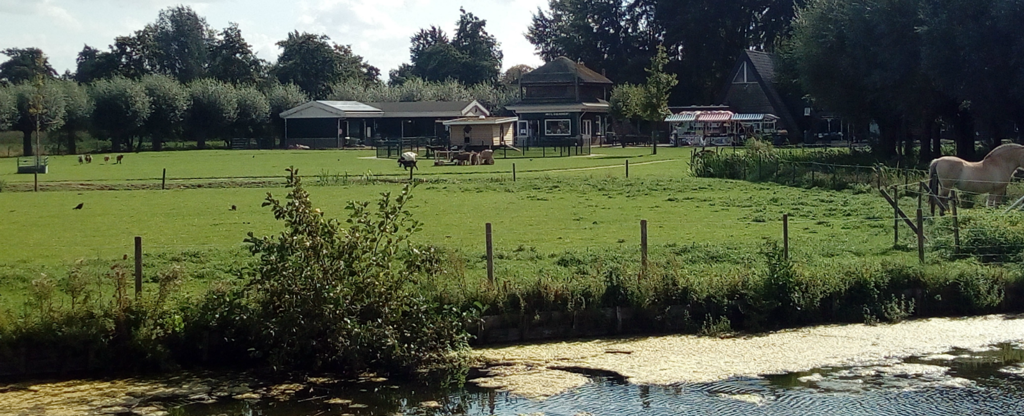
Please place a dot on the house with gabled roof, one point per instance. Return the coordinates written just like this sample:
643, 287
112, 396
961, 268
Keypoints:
562, 102
752, 89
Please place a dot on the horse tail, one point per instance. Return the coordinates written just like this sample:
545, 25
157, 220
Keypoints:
933, 177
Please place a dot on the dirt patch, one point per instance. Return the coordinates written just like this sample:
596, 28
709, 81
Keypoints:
531, 370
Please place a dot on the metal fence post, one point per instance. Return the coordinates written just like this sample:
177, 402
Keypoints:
643, 245
490, 255
138, 267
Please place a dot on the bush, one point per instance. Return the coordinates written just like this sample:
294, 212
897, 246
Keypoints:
336, 298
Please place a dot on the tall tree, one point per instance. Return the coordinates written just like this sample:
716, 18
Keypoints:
481, 52
8, 107
77, 113
648, 102
213, 110
182, 41
120, 110
24, 65
40, 107
232, 59
314, 64
512, 75
170, 101
93, 64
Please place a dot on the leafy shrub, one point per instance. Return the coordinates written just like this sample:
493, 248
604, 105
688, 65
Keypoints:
987, 236
329, 297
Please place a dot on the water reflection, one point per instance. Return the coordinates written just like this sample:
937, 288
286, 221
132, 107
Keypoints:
960, 382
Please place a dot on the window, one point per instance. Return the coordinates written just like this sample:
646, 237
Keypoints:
745, 75
557, 127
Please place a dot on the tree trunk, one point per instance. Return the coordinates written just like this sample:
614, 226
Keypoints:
71, 142
26, 143
965, 139
201, 140
158, 144
654, 140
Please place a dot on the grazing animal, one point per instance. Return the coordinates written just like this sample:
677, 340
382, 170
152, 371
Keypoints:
79, 206
234, 208
462, 159
990, 176
119, 157
80, 159
407, 160
88, 158
106, 159
474, 158
487, 157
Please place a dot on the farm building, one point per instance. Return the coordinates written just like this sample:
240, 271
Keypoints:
563, 101
336, 124
720, 126
481, 132
752, 90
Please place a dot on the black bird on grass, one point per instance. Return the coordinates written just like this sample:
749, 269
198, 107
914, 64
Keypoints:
233, 208
79, 206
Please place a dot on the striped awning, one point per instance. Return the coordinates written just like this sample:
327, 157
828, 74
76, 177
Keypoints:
754, 117
682, 117
714, 116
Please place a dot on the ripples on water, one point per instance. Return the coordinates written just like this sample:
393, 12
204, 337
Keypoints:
974, 383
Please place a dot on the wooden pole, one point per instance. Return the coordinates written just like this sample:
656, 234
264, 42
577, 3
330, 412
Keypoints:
956, 223
627, 168
513, 172
490, 256
643, 245
896, 217
410, 174
920, 234
138, 267
785, 236
35, 176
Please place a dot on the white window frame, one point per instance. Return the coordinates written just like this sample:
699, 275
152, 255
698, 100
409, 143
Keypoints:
547, 130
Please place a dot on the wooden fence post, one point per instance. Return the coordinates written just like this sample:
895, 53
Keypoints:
163, 180
410, 174
956, 223
138, 267
643, 245
895, 216
920, 235
785, 236
627, 168
490, 256
513, 172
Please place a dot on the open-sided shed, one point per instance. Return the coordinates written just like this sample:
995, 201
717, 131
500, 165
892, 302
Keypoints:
481, 131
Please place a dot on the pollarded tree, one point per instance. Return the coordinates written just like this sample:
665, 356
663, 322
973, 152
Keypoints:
24, 65
170, 102
40, 106
213, 110
282, 97
8, 108
253, 112
120, 110
78, 113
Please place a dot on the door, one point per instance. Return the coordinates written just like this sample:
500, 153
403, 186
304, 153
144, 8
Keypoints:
585, 131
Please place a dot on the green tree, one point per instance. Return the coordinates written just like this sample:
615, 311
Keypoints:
649, 101
253, 112
120, 110
182, 41
314, 64
512, 75
170, 102
24, 65
282, 97
78, 108
213, 110
481, 52
93, 64
232, 59
8, 107
40, 108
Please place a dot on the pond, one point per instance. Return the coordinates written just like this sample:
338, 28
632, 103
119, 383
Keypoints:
978, 381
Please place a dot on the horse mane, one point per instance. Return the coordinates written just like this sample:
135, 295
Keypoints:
1003, 148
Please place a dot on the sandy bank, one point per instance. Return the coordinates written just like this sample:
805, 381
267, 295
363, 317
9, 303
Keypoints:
533, 370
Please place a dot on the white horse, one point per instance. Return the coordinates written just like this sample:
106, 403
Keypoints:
990, 176
407, 160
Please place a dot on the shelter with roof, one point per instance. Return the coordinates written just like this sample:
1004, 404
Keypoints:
752, 89
481, 132
720, 126
563, 101
336, 124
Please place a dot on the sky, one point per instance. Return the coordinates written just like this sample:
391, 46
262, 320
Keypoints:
377, 30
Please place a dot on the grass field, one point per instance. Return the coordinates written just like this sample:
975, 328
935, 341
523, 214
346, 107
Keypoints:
556, 205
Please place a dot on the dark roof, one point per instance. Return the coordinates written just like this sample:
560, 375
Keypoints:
562, 70
764, 70
764, 64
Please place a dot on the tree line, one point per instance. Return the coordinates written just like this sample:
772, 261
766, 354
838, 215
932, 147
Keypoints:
178, 78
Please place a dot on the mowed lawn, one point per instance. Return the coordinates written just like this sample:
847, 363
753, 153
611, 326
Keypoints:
562, 204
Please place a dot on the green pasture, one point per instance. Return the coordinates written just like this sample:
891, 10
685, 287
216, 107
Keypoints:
556, 205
